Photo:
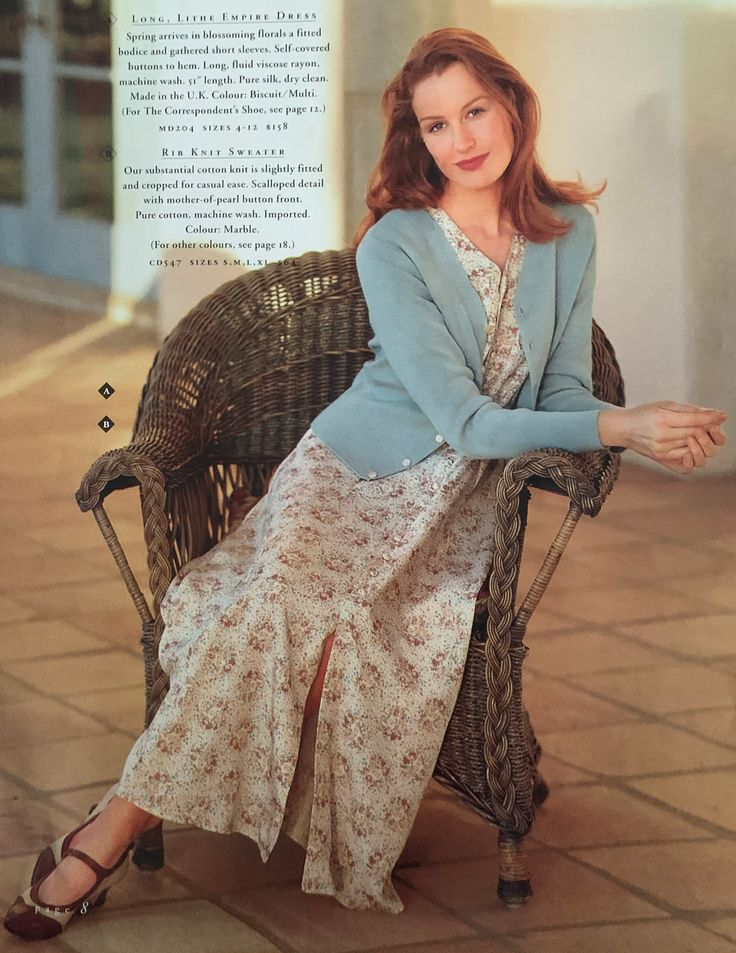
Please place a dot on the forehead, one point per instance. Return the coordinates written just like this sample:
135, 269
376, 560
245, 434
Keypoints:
455, 86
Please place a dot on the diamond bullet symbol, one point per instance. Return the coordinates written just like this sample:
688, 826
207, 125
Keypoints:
106, 423
107, 390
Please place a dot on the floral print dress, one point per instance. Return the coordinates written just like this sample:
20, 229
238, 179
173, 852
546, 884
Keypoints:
392, 567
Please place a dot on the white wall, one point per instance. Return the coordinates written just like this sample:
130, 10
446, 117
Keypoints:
378, 37
643, 96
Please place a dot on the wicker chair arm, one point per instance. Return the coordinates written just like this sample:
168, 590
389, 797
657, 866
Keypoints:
585, 478
116, 470
156, 456
124, 467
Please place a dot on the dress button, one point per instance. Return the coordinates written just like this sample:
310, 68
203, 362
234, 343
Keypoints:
372, 474
406, 462
439, 438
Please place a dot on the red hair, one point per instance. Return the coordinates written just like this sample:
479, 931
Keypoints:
406, 175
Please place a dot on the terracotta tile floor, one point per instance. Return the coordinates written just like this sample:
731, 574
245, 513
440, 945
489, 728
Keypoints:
630, 679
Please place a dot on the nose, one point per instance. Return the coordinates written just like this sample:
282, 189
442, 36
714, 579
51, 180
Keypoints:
464, 139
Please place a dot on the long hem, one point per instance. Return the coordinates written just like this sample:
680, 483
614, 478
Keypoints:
295, 823
350, 902
202, 822
364, 902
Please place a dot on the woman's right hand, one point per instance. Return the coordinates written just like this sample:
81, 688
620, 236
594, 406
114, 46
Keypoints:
678, 436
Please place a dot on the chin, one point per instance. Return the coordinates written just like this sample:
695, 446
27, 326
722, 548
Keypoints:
474, 185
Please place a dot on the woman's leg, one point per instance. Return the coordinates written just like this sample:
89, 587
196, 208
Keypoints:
315, 692
121, 821
104, 839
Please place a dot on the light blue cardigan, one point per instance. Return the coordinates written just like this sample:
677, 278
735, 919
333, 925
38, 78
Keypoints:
424, 387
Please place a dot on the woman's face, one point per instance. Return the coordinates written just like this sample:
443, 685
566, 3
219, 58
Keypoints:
460, 120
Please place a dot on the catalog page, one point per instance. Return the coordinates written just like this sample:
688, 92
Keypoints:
367, 476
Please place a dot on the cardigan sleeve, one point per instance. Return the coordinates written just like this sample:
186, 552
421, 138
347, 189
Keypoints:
567, 382
431, 367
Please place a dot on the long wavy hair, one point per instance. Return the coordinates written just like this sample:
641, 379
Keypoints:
406, 175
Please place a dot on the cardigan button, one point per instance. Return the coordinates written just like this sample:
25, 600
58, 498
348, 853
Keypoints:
372, 474
406, 462
439, 438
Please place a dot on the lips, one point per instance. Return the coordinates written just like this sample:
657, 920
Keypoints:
472, 163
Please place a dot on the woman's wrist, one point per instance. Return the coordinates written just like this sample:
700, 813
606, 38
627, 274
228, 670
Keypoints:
612, 429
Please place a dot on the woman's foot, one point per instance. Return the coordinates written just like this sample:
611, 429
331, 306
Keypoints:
104, 839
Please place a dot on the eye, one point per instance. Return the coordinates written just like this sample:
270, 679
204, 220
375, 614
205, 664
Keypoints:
476, 109
433, 126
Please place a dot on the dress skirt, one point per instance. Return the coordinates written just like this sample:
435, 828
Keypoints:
393, 567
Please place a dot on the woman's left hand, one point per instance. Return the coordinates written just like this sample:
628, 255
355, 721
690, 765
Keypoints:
704, 444
701, 446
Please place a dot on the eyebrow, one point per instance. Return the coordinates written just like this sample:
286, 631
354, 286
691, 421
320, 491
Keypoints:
482, 96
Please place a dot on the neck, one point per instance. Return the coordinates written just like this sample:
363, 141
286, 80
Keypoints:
476, 208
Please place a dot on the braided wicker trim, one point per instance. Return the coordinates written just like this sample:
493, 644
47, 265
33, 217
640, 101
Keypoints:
508, 768
108, 467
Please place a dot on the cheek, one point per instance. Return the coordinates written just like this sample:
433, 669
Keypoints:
504, 133
437, 152
495, 130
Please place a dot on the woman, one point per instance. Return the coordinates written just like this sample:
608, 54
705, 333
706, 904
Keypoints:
376, 533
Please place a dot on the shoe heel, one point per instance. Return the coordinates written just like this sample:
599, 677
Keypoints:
87, 906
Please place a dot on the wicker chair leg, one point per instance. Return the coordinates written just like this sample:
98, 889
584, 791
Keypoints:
148, 853
514, 886
540, 791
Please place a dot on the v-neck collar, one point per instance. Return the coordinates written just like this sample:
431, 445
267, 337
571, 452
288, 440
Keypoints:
534, 299
454, 227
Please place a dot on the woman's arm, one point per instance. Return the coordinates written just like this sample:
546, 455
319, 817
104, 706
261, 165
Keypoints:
678, 436
567, 381
432, 367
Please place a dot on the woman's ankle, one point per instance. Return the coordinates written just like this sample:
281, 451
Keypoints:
129, 817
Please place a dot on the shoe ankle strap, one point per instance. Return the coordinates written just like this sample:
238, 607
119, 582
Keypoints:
98, 869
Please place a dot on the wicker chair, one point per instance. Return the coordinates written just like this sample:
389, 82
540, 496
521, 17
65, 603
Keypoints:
231, 391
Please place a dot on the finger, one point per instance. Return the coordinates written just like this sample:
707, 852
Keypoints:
681, 407
678, 466
717, 436
696, 451
687, 463
678, 442
705, 442
678, 405
691, 419
673, 453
